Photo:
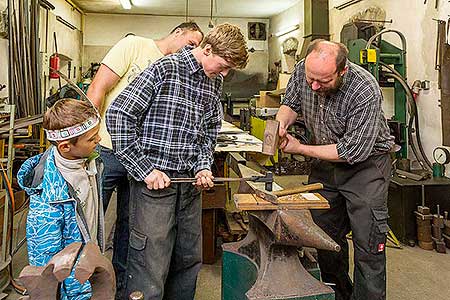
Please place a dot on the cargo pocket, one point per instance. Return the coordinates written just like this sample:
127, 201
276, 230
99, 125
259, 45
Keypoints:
379, 230
138, 241
166, 196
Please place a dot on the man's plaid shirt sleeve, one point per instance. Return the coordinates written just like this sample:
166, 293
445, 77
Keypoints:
363, 125
122, 119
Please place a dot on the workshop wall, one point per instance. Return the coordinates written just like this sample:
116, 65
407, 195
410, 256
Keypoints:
70, 41
415, 20
3, 58
285, 19
243, 83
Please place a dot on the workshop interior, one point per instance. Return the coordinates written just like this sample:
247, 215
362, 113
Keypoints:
259, 240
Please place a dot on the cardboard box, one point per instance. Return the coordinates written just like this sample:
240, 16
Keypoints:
283, 80
266, 99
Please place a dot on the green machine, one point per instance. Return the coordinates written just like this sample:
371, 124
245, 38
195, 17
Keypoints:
387, 63
359, 37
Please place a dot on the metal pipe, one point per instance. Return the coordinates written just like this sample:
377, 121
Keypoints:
11, 91
402, 38
373, 37
9, 165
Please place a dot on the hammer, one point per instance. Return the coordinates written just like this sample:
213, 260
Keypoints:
273, 196
271, 137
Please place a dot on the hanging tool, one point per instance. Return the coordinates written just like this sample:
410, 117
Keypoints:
267, 179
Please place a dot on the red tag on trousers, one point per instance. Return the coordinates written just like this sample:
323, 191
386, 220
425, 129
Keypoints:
380, 247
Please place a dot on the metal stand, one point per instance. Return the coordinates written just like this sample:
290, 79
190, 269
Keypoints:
270, 254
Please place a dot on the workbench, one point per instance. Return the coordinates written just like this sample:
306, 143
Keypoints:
404, 197
215, 199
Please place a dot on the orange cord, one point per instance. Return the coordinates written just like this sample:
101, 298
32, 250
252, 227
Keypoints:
16, 286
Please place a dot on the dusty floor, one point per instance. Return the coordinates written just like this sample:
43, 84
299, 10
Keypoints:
413, 273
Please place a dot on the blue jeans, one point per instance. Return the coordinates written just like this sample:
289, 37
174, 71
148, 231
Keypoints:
165, 251
114, 177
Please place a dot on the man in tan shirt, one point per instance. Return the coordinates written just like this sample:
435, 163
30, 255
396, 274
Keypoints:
127, 59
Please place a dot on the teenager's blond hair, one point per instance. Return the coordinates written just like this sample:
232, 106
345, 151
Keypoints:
228, 42
66, 113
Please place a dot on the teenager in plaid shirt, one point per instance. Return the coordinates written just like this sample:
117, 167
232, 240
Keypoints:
164, 125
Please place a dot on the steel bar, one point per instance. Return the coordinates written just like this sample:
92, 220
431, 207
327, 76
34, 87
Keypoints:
216, 179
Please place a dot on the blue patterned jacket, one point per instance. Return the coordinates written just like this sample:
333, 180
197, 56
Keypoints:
55, 218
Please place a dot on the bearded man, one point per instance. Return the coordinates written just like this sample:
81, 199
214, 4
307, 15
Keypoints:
340, 103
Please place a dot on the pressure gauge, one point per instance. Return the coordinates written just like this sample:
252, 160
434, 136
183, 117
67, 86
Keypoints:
441, 155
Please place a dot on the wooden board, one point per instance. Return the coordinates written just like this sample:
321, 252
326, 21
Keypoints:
253, 202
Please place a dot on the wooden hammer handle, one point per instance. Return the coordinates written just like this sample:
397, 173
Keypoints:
301, 189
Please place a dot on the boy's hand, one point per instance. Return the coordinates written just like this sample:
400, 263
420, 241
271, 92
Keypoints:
157, 180
204, 179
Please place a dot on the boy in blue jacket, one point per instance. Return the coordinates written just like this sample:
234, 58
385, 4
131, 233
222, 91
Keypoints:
63, 184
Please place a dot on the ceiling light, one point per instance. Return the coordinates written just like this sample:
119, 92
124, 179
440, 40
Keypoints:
126, 4
287, 30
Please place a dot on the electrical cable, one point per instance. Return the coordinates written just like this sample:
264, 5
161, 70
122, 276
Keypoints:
414, 117
20, 289
413, 103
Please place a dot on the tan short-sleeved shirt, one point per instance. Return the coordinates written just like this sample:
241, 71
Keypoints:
128, 58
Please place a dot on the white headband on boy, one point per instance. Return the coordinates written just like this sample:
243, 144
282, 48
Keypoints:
73, 131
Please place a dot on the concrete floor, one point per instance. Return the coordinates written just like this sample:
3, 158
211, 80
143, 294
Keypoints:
413, 273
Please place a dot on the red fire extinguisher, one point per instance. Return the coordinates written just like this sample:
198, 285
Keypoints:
54, 65
54, 61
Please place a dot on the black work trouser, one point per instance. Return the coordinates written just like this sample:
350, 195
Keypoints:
358, 202
165, 249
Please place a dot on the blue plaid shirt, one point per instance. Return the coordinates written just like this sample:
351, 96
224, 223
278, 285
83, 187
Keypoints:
352, 118
168, 118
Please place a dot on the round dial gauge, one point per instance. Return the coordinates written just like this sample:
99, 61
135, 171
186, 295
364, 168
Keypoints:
441, 155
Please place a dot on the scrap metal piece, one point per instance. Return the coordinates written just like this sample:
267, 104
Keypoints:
42, 282
98, 269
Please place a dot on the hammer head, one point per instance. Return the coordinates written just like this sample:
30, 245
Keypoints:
271, 137
269, 182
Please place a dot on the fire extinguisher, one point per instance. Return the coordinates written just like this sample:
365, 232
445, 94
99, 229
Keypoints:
54, 65
54, 61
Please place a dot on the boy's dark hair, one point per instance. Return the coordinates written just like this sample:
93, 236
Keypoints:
192, 26
66, 113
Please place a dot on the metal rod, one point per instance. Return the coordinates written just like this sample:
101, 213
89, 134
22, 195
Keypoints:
217, 179
423, 195
374, 21
9, 165
4, 254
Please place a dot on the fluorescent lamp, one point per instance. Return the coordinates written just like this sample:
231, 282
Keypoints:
126, 4
287, 30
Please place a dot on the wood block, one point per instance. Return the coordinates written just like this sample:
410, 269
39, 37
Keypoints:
209, 235
283, 80
253, 202
271, 137
215, 197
